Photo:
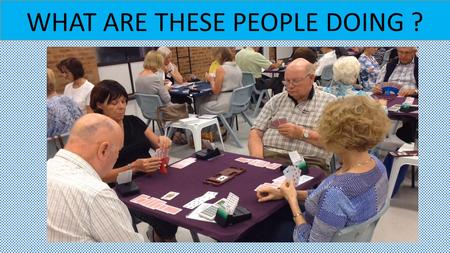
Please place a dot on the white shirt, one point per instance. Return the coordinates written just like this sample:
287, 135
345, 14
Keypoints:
80, 207
327, 59
81, 95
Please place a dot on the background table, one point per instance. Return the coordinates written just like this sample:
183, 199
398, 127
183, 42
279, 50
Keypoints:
189, 183
193, 90
393, 100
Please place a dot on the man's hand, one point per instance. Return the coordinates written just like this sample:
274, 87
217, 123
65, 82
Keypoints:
404, 92
377, 89
290, 130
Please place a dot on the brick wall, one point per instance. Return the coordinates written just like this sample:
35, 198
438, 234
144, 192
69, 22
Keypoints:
87, 56
200, 58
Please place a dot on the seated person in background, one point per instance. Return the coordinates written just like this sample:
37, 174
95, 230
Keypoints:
61, 110
215, 63
301, 52
328, 58
150, 81
170, 69
227, 78
79, 89
110, 98
345, 74
348, 127
80, 207
305, 53
250, 60
401, 72
301, 105
369, 67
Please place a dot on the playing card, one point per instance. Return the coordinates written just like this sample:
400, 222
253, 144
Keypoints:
243, 159
273, 166
231, 203
139, 199
171, 209
184, 163
222, 178
170, 195
282, 121
124, 177
289, 173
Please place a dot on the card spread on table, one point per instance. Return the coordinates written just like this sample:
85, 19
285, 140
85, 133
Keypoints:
124, 177
183, 163
156, 204
139, 199
199, 200
258, 163
170, 195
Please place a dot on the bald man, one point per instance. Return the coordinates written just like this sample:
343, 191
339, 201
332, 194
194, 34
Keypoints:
301, 106
80, 207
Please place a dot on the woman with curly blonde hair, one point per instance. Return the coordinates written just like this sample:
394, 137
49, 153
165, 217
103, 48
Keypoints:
349, 127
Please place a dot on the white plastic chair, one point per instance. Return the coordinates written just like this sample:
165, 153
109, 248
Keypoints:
240, 101
397, 164
195, 126
149, 104
362, 232
327, 76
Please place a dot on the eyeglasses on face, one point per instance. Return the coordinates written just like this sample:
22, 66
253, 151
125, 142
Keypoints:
295, 82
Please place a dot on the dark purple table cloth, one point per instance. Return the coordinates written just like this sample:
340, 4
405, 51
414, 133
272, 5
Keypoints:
189, 183
393, 100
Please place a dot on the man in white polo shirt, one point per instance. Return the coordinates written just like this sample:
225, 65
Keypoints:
80, 207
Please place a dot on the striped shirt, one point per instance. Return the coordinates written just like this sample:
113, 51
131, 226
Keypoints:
305, 113
80, 207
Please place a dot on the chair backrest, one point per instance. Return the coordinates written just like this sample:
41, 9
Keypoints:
386, 57
327, 75
240, 99
55, 143
149, 104
247, 79
362, 232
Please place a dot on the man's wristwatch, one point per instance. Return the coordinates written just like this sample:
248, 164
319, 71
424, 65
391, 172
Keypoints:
305, 134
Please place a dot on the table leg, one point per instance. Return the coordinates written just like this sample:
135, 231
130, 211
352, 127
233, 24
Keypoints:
194, 236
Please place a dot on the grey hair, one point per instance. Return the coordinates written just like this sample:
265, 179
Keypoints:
346, 69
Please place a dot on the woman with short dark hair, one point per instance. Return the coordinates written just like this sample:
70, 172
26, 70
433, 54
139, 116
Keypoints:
110, 98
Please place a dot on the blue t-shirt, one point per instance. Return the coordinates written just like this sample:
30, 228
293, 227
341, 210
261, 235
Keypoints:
341, 201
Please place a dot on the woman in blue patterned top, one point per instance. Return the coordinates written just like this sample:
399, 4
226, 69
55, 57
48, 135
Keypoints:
356, 192
62, 111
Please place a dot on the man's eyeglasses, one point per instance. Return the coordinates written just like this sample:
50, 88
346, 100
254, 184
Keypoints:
294, 82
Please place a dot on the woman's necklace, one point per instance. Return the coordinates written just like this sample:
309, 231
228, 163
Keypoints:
358, 164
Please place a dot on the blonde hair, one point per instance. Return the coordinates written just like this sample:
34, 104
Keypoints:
51, 81
164, 51
354, 123
346, 69
153, 61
